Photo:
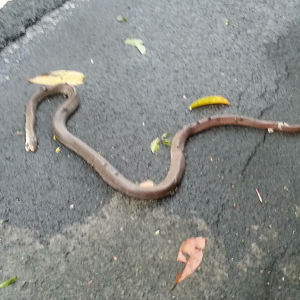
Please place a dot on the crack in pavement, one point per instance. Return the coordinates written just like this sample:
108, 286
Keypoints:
265, 110
261, 142
217, 222
252, 154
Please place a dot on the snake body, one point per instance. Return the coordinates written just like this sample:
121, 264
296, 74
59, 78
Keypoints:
108, 173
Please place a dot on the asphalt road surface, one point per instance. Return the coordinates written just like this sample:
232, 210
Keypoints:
68, 235
17, 15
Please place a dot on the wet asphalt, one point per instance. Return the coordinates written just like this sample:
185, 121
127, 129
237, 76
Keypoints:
67, 234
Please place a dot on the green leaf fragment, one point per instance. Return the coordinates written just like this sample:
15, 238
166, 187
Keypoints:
141, 48
139, 44
133, 42
8, 282
121, 19
155, 145
166, 139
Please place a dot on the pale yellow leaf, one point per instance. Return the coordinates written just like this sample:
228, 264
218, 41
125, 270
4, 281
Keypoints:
58, 77
138, 43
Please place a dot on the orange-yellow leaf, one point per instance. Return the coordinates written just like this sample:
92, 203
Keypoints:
147, 183
209, 100
59, 76
193, 247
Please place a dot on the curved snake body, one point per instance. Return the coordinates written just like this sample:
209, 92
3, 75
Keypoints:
108, 173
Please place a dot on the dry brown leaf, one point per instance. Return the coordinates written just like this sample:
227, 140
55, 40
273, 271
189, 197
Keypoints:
193, 247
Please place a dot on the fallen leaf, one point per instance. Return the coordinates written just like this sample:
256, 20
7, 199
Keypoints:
209, 100
8, 282
166, 139
57, 77
193, 247
147, 183
121, 19
57, 150
155, 145
136, 43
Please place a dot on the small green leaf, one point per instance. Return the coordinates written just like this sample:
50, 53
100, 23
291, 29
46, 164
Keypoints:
8, 282
139, 44
133, 42
141, 48
121, 19
166, 139
155, 145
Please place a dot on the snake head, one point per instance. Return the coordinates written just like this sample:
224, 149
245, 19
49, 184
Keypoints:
31, 144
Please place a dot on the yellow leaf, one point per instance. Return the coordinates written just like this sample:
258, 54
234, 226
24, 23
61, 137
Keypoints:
209, 100
57, 150
59, 76
54, 137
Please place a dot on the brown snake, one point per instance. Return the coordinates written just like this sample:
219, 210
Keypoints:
108, 173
